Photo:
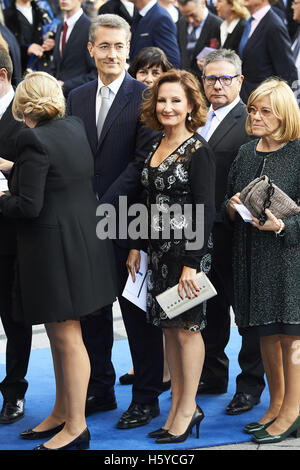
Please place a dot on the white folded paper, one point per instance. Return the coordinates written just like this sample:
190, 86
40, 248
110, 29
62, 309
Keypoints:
136, 292
204, 52
244, 212
3, 182
173, 305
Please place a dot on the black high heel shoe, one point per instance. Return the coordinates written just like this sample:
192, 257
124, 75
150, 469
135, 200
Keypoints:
81, 442
195, 421
158, 433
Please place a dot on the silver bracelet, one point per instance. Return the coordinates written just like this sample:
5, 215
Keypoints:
278, 232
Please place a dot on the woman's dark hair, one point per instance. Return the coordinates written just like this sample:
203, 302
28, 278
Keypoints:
149, 57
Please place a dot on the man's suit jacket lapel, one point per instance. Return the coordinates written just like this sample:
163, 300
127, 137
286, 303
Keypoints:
89, 115
257, 33
203, 36
73, 35
121, 100
226, 125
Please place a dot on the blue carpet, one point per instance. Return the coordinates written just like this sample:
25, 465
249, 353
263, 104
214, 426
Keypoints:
216, 429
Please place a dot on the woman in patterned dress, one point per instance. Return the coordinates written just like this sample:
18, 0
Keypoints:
179, 170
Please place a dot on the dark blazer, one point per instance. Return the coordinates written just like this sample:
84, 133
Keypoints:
158, 29
210, 32
116, 7
9, 129
15, 54
233, 39
75, 66
124, 142
64, 271
267, 53
225, 143
27, 34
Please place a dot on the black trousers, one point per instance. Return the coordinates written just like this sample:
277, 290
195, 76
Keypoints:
145, 343
18, 336
217, 332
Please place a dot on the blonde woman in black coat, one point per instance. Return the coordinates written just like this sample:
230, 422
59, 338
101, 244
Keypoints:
63, 271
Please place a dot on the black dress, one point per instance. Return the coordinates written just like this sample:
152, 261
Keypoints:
186, 177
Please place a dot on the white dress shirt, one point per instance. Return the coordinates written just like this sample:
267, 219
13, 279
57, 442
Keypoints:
129, 6
226, 29
71, 23
220, 114
113, 90
26, 11
148, 7
6, 100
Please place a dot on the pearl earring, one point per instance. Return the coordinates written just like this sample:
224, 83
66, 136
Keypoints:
189, 117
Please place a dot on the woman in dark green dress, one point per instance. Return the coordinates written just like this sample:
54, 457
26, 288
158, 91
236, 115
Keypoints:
267, 257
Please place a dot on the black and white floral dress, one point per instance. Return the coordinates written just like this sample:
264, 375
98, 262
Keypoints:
186, 177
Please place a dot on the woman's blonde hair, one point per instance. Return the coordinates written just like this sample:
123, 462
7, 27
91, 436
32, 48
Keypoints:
38, 97
238, 9
284, 106
190, 84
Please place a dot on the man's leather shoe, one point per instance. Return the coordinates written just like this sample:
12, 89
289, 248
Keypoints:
12, 410
94, 404
205, 387
241, 403
138, 415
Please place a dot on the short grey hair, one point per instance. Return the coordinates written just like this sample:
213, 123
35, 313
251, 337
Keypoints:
226, 55
108, 20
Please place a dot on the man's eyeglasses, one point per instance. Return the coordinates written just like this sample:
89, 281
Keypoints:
224, 80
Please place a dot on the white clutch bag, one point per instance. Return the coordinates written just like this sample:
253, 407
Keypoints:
173, 305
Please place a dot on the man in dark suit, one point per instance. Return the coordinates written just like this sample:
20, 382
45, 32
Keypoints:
119, 150
265, 48
198, 28
117, 7
153, 26
72, 64
14, 385
14, 50
225, 133
296, 39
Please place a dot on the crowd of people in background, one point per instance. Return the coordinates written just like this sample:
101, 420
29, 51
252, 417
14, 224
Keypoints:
164, 102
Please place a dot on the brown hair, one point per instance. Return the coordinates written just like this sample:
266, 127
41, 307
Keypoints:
193, 93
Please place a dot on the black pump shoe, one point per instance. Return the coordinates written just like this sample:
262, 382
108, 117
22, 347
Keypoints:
158, 433
195, 421
81, 442
30, 434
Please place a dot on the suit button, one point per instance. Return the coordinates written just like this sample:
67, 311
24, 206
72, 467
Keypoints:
39, 28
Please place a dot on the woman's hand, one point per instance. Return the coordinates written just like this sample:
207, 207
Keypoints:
133, 263
200, 63
35, 49
48, 44
5, 165
271, 224
188, 283
231, 210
